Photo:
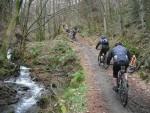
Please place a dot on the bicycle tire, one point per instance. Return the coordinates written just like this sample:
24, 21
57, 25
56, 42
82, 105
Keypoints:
99, 60
123, 91
105, 66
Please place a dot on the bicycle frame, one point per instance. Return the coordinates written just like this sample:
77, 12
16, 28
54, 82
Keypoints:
123, 85
101, 59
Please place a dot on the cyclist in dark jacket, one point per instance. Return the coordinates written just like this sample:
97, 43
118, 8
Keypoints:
104, 45
74, 32
121, 56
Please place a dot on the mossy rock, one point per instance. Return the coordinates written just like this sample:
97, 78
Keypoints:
44, 101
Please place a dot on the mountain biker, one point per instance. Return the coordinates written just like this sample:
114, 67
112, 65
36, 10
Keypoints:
66, 28
104, 45
121, 56
73, 33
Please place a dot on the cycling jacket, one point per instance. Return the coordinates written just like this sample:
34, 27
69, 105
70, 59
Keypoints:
119, 54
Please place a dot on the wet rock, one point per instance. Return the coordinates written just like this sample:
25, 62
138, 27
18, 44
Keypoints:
22, 88
7, 109
35, 79
7, 95
43, 102
25, 88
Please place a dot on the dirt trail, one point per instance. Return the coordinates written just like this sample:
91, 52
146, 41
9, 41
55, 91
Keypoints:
101, 97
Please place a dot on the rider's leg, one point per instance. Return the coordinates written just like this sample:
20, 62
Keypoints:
126, 74
116, 69
102, 53
99, 53
74, 37
105, 52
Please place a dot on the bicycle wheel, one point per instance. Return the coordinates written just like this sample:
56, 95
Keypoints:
99, 60
105, 66
123, 91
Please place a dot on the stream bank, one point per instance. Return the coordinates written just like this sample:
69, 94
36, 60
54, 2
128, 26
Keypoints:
8, 95
55, 64
53, 83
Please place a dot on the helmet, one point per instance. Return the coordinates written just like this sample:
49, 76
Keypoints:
102, 37
118, 43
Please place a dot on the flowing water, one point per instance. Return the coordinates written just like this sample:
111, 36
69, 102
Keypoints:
30, 91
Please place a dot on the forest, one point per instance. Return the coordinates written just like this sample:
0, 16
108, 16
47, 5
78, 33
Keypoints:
33, 40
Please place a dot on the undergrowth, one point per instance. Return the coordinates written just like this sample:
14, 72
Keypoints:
57, 57
74, 95
6, 68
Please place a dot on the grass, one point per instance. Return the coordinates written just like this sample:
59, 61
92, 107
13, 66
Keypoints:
74, 95
78, 78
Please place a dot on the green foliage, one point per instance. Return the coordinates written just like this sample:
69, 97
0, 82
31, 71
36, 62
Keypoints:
40, 35
61, 47
2, 58
18, 8
4, 66
85, 32
135, 8
75, 98
63, 108
57, 56
3, 71
78, 78
74, 95
144, 76
132, 48
53, 56
147, 63
146, 4
35, 51
62, 56
6, 69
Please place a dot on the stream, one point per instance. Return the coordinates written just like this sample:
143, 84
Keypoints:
28, 90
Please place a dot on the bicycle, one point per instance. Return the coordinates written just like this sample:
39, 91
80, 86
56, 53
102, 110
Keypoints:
123, 85
102, 60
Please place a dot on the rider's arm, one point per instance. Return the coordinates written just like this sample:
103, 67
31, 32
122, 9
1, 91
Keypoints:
110, 55
98, 44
